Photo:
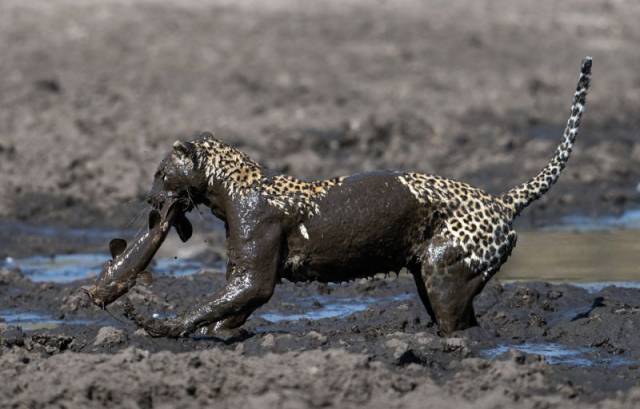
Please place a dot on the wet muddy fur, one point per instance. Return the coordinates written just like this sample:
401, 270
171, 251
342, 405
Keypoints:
451, 236
130, 261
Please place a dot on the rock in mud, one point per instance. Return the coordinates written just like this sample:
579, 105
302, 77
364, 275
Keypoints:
317, 336
75, 301
49, 343
268, 341
11, 336
398, 347
109, 336
8, 277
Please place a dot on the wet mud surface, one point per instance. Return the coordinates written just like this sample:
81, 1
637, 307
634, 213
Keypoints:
93, 94
368, 342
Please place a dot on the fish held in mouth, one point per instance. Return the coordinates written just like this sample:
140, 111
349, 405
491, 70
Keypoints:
130, 261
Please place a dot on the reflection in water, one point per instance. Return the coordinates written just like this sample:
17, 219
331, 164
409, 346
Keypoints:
70, 267
597, 286
557, 354
30, 320
329, 307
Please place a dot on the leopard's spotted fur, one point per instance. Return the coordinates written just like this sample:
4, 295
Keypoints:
452, 236
240, 174
477, 223
480, 223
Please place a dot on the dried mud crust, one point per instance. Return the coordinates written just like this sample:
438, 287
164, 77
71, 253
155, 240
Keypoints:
388, 355
94, 93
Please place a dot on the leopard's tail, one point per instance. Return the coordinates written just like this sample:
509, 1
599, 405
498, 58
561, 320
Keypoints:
522, 195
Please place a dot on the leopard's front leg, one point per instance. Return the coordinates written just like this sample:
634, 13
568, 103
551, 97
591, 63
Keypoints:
228, 324
250, 285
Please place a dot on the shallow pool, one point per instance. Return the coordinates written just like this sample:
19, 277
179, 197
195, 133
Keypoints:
558, 354
31, 320
321, 307
70, 267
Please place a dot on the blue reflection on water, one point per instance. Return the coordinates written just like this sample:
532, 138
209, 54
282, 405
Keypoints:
330, 307
70, 267
27, 318
557, 354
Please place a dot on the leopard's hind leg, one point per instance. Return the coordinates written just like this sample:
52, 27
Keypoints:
416, 272
448, 285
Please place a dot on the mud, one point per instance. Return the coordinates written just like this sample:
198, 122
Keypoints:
579, 348
93, 94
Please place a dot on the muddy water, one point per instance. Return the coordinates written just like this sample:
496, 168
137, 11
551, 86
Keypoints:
575, 256
580, 249
71, 267
321, 307
32, 320
558, 354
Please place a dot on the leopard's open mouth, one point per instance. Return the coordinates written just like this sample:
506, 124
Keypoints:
180, 222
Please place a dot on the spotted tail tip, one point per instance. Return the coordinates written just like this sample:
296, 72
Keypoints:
586, 65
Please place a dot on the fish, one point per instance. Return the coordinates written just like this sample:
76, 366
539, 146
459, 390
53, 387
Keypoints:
129, 262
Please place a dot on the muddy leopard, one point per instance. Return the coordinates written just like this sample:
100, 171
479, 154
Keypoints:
451, 236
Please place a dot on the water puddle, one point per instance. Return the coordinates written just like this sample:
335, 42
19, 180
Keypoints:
557, 354
321, 307
597, 286
70, 267
575, 256
30, 320
592, 287
26, 229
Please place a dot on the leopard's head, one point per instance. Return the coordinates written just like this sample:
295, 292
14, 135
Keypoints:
178, 176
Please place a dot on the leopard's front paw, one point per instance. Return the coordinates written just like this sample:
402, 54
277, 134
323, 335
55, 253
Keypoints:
155, 327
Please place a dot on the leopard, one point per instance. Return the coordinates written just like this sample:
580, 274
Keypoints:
450, 236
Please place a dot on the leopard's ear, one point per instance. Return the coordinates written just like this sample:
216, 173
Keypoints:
183, 227
117, 247
183, 147
184, 154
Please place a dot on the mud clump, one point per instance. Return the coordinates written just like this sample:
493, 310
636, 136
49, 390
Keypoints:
110, 336
12, 336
